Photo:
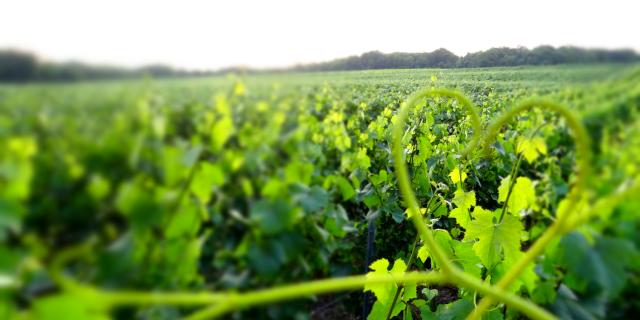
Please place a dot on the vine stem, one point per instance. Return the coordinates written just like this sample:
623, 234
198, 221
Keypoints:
512, 184
115, 298
266, 296
226, 302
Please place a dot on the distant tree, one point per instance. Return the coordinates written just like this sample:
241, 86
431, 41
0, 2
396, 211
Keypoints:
17, 66
441, 58
158, 70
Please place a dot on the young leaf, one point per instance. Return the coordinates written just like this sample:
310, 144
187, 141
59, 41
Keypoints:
457, 176
461, 215
463, 199
205, 178
523, 195
409, 215
273, 217
346, 189
380, 290
386, 292
531, 148
465, 256
494, 239
221, 132
423, 253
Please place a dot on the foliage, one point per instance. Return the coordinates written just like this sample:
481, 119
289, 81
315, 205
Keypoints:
147, 200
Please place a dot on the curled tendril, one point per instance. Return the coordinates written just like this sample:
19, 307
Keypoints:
471, 110
577, 193
63, 258
581, 138
449, 269
403, 174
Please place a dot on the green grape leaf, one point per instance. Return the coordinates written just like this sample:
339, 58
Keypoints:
531, 148
528, 278
273, 216
337, 221
312, 199
173, 165
385, 292
464, 199
380, 290
599, 267
298, 172
465, 256
457, 310
137, 202
186, 221
457, 176
206, 177
444, 240
494, 239
461, 215
455, 232
379, 310
380, 178
399, 267
408, 211
423, 253
523, 195
425, 312
544, 292
410, 291
503, 189
98, 187
346, 189
439, 209
221, 132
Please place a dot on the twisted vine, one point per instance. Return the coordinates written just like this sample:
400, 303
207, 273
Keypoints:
224, 302
454, 273
557, 228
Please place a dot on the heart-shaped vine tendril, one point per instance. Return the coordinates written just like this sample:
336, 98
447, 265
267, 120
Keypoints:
454, 274
576, 193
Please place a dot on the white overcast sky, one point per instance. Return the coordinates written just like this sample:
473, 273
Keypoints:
217, 33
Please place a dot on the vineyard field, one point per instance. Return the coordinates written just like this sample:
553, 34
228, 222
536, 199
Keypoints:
493, 193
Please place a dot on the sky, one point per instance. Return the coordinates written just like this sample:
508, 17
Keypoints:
219, 33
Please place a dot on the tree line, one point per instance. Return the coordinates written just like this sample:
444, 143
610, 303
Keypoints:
494, 57
18, 66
